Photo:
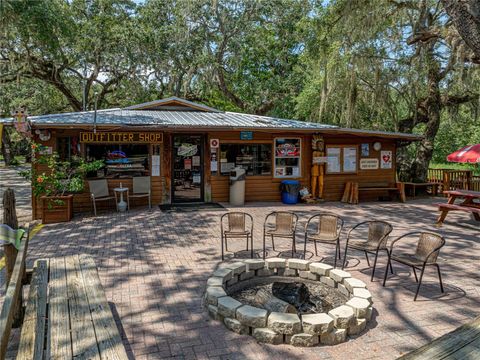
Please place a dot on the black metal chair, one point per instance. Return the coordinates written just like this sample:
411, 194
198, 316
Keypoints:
283, 226
327, 230
378, 232
237, 228
426, 253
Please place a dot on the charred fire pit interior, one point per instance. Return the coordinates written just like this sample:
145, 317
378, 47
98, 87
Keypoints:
289, 301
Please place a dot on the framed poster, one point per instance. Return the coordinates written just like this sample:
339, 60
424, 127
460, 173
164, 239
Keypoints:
386, 159
349, 159
365, 150
333, 160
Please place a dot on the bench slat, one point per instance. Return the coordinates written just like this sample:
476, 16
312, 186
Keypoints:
32, 338
80, 318
108, 337
453, 207
59, 344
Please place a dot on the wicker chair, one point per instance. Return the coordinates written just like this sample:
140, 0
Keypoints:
236, 228
426, 254
99, 192
327, 230
283, 226
378, 232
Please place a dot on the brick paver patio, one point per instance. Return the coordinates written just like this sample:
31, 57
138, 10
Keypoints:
154, 266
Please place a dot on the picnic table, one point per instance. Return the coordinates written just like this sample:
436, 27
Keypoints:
470, 204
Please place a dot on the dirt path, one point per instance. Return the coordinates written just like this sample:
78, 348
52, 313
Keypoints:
9, 177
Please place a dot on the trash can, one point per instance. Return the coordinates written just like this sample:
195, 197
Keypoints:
290, 190
237, 186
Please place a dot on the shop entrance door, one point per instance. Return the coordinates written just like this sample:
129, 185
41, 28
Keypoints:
187, 168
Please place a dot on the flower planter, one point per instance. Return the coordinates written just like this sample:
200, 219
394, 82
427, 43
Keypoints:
56, 209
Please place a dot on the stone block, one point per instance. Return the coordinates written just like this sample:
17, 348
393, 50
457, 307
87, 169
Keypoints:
236, 267
328, 281
317, 324
265, 335
227, 306
357, 326
284, 323
224, 273
252, 316
290, 272
320, 268
343, 316
213, 313
264, 272
334, 337
254, 264
308, 275
247, 275
213, 293
303, 339
363, 293
351, 283
232, 281
369, 313
235, 326
215, 281
298, 264
360, 307
338, 275
343, 290
275, 263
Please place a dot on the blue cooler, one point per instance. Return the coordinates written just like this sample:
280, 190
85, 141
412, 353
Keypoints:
290, 190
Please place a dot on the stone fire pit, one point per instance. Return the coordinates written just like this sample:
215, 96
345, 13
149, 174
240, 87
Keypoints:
282, 327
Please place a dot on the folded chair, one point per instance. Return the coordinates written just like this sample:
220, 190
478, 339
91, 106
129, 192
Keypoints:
236, 228
99, 192
283, 226
327, 230
141, 189
376, 240
426, 254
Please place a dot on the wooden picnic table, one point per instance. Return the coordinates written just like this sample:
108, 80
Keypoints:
470, 204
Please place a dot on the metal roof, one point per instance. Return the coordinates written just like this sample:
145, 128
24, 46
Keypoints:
163, 103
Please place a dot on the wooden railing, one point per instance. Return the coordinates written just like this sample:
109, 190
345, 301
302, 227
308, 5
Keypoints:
454, 179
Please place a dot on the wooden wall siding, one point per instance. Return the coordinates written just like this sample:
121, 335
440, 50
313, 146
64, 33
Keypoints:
166, 168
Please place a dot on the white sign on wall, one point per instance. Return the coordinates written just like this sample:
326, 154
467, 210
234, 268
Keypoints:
368, 164
214, 143
386, 159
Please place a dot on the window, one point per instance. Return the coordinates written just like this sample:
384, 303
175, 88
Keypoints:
121, 161
287, 158
67, 146
342, 159
256, 159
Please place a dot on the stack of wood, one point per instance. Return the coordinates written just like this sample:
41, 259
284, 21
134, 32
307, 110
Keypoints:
350, 194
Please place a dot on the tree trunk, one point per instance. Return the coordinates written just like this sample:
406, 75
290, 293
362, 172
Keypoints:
272, 303
6, 147
10, 219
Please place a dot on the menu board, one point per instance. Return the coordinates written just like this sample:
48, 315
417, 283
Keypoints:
333, 160
350, 159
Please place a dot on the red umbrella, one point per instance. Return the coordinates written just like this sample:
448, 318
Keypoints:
468, 154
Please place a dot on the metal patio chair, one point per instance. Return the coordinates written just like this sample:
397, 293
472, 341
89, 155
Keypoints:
378, 233
141, 189
426, 254
236, 228
99, 192
327, 230
283, 226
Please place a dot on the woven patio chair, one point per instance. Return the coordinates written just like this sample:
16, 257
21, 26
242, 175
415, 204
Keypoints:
283, 226
236, 228
378, 232
327, 230
99, 192
426, 254
141, 189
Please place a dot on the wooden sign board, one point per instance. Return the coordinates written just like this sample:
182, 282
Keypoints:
121, 137
368, 164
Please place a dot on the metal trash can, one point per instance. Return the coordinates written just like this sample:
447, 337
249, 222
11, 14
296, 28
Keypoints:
237, 186
290, 190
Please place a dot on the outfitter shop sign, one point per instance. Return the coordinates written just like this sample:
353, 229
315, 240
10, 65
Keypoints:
122, 137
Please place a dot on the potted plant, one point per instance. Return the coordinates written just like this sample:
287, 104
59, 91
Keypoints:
54, 182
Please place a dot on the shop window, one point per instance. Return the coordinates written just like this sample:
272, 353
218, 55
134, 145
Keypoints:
256, 159
67, 147
342, 159
121, 161
288, 157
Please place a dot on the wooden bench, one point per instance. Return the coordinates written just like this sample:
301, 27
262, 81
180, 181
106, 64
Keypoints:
384, 187
414, 186
67, 315
445, 208
461, 343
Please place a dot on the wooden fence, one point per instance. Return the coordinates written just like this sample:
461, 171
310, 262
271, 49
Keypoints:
454, 179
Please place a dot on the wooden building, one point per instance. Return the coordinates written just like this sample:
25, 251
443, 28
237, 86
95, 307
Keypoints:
189, 149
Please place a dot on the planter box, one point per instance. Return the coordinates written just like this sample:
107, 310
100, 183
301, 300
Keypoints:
55, 213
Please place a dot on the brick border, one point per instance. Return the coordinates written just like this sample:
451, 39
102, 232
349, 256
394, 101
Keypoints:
278, 328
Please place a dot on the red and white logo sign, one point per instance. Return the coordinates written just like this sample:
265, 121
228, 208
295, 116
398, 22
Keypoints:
214, 143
